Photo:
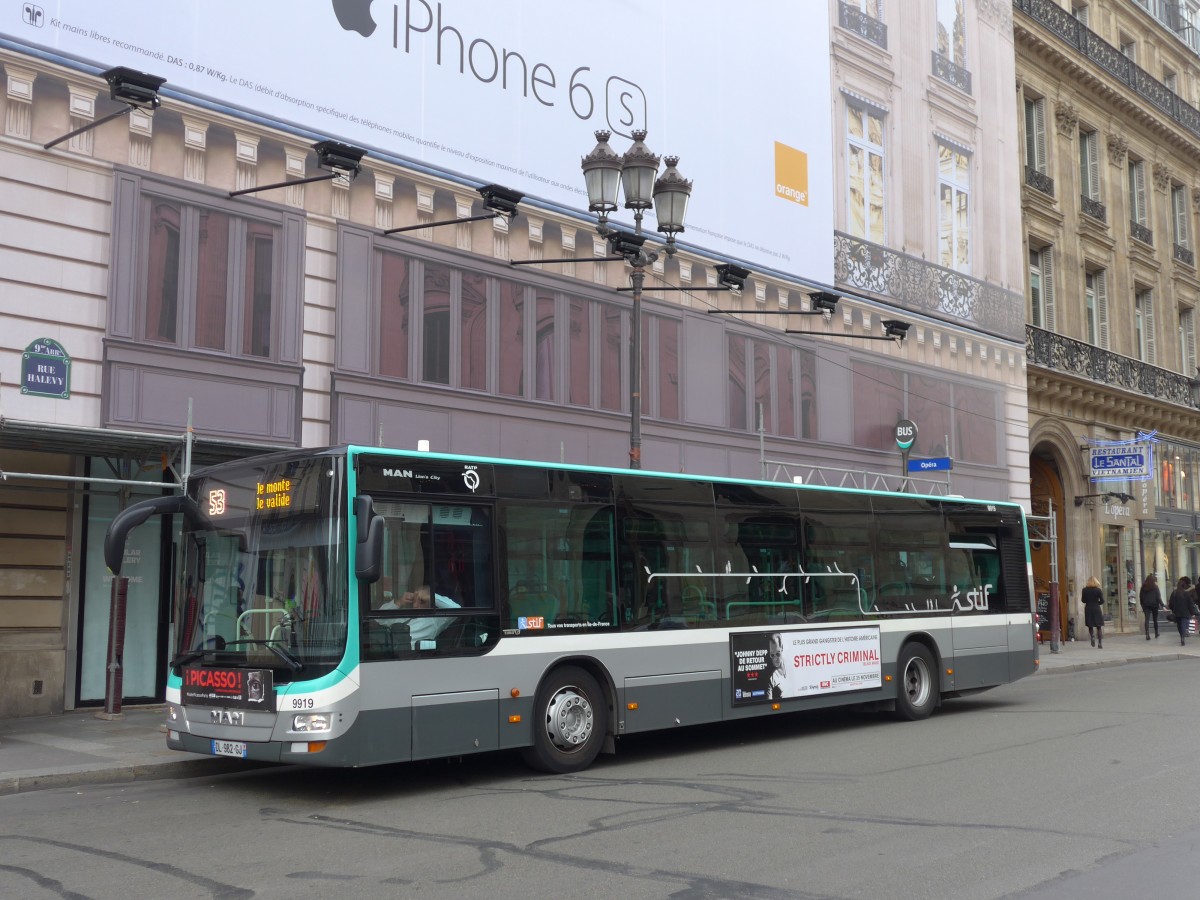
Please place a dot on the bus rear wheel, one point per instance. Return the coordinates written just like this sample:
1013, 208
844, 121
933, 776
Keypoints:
917, 693
571, 721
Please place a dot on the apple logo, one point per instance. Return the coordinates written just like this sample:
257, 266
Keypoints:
355, 15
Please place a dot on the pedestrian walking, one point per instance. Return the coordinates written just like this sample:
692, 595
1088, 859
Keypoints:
1183, 607
1093, 611
1152, 602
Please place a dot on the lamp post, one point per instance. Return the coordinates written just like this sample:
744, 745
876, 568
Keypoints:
604, 174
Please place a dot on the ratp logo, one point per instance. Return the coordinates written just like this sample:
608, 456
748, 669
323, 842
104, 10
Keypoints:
791, 174
33, 15
355, 15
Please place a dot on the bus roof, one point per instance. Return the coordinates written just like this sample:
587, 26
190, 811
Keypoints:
356, 449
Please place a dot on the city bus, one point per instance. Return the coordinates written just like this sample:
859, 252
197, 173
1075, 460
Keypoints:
355, 606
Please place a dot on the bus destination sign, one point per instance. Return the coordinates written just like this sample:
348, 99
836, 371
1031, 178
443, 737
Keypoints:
273, 494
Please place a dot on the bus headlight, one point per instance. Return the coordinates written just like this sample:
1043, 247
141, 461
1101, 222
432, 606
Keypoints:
311, 722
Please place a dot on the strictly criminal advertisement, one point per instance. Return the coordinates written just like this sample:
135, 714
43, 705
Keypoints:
511, 93
778, 665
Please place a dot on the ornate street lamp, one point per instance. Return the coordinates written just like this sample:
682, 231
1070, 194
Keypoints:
636, 171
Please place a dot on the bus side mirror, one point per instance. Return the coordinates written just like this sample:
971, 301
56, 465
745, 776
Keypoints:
131, 517
368, 557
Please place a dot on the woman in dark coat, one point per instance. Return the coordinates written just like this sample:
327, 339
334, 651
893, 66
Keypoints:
1152, 602
1093, 611
1181, 604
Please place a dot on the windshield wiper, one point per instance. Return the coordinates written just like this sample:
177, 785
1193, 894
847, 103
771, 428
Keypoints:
293, 661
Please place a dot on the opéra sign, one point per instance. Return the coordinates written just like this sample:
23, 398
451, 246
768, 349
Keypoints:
46, 370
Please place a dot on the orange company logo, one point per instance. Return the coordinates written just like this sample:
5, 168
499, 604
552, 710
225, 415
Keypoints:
791, 174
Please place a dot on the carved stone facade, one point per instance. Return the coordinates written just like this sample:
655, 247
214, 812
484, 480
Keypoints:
1112, 339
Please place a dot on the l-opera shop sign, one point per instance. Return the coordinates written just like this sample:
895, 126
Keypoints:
512, 92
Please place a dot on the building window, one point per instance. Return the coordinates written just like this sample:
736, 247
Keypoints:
865, 188
1035, 134
394, 293
1170, 79
957, 419
666, 394
545, 348
1187, 340
613, 353
435, 324
954, 192
1096, 302
1128, 47
1143, 314
1089, 164
952, 31
473, 332
770, 371
210, 280
1080, 12
739, 408
579, 387
1179, 217
511, 305
1041, 288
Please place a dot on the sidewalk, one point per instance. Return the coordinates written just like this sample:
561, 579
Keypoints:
78, 748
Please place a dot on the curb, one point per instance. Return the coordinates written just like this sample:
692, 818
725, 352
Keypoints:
121, 774
1124, 661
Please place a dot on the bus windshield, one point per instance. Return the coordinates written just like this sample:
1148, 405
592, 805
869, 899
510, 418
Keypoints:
263, 570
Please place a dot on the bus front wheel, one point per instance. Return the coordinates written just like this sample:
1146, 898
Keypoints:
917, 693
570, 722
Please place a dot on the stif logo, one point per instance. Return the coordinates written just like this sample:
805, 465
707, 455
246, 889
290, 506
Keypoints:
355, 15
791, 174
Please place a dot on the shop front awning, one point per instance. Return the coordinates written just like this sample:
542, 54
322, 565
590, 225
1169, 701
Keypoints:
112, 443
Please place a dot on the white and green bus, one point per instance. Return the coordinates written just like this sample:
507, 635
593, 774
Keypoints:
356, 606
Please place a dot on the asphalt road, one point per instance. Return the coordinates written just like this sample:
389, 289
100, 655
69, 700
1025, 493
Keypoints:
1081, 784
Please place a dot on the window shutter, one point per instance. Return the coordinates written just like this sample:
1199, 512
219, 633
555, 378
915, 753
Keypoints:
1048, 289
1102, 308
1039, 138
1179, 196
1138, 187
1189, 343
1148, 310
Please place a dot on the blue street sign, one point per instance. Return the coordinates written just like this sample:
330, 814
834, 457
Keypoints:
936, 464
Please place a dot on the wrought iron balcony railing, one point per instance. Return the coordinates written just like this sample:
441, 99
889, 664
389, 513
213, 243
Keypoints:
1141, 232
951, 72
1053, 351
923, 287
1093, 208
1069, 29
867, 27
1184, 255
1039, 181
